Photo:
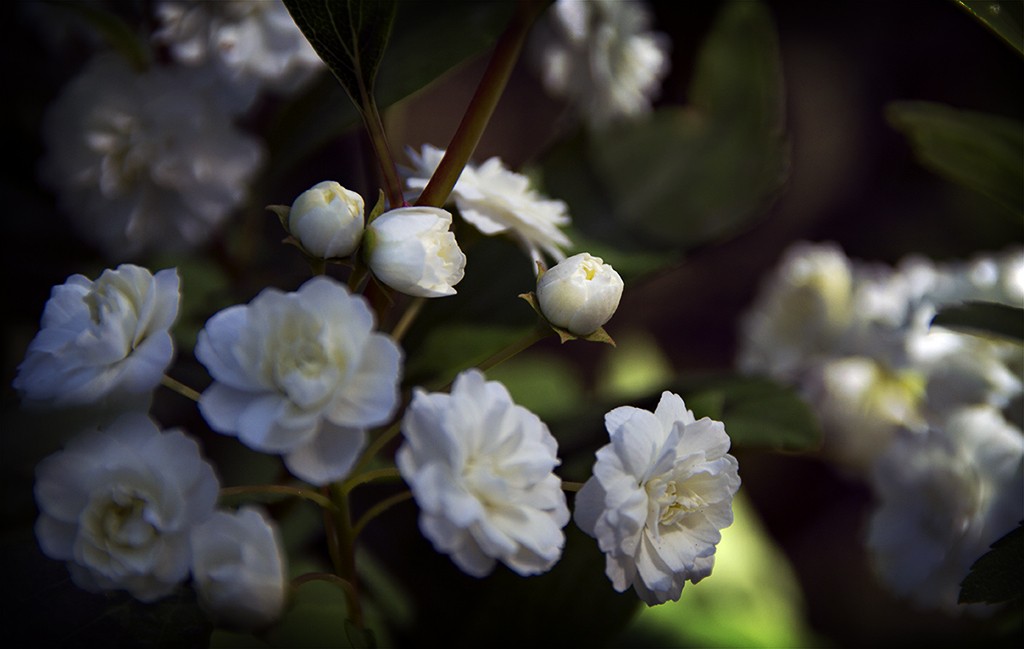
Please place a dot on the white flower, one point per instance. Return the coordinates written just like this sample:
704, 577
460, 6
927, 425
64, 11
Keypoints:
412, 250
252, 43
580, 294
480, 468
144, 161
660, 493
327, 219
946, 496
119, 505
238, 567
496, 200
302, 374
600, 55
103, 340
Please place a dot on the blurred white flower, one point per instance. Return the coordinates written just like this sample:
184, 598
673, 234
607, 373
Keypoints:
119, 504
412, 250
142, 161
601, 56
580, 293
102, 341
327, 219
239, 568
495, 201
254, 44
945, 497
802, 312
661, 492
302, 374
480, 468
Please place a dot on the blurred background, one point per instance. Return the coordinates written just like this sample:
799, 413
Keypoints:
793, 570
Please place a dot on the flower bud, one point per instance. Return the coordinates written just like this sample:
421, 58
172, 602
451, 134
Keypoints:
412, 250
579, 294
327, 219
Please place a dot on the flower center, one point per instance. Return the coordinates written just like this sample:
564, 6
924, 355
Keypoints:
120, 521
671, 499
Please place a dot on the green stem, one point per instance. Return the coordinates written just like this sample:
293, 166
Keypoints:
284, 490
481, 107
378, 444
536, 334
346, 566
370, 476
407, 318
378, 509
379, 139
180, 388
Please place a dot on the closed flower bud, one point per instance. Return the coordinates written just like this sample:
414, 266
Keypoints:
412, 250
327, 219
579, 294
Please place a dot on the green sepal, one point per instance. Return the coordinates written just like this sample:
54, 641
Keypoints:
282, 212
564, 335
378, 209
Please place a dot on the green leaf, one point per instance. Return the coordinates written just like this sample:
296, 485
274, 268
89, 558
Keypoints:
688, 176
979, 151
984, 318
1006, 19
350, 36
118, 34
996, 576
756, 412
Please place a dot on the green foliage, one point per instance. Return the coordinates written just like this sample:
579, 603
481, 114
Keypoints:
350, 37
688, 176
1005, 19
121, 37
983, 318
997, 575
757, 412
979, 151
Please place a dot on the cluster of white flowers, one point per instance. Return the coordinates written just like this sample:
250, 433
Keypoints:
140, 160
252, 44
601, 56
131, 507
916, 408
496, 200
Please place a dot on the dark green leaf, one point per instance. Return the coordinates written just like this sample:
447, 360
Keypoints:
756, 412
350, 37
998, 576
1004, 18
979, 151
688, 176
984, 318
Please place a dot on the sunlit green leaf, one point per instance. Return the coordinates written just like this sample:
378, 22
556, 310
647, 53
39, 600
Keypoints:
756, 412
350, 37
752, 599
996, 576
979, 151
687, 176
984, 318
1005, 18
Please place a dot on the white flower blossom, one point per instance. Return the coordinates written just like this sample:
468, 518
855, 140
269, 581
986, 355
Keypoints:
148, 160
601, 56
580, 293
327, 219
946, 496
412, 250
302, 374
239, 568
119, 504
480, 468
661, 492
102, 341
495, 201
252, 43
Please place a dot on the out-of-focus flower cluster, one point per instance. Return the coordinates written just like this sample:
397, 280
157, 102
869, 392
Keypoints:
929, 415
147, 156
